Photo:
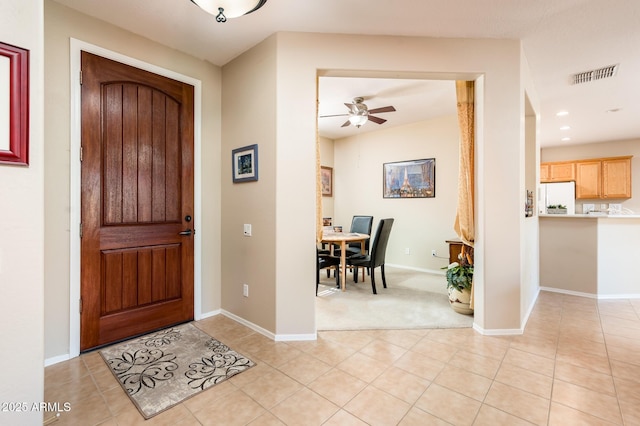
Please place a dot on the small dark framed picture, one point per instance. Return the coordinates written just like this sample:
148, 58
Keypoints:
326, 178
14, 105
245, 164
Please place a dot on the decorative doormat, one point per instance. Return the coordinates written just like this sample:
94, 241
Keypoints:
162, 369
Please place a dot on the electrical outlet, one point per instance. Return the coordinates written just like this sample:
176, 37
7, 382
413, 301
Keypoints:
407, 251
245, 290
434, 253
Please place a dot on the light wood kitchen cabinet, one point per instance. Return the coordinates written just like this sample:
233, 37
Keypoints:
557, 172
588, 179
616, 178
603, 178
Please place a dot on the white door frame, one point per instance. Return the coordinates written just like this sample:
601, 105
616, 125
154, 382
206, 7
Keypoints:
74, 217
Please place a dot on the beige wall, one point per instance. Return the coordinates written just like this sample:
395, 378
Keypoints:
61, 24
22, 232
298, 57
326, 159
582, 255
569, 254
249, 117
597, 150
421, 224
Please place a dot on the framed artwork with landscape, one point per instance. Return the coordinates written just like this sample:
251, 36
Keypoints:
245, 164
326, 178
410, 179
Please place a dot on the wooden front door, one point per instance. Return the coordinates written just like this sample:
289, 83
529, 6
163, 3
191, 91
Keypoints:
137, 202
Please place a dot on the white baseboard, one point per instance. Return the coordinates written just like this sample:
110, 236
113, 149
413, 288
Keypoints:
210, 314
249, 324
411, 268
591, 295
296, 337
56, 359
270, 335
498, 332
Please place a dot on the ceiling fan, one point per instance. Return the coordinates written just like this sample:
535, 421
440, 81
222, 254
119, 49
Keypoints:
359, 113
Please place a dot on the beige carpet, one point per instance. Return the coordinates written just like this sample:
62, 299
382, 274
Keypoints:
412, 299
161, 369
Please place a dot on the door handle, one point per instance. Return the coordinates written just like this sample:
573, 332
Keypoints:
185, 232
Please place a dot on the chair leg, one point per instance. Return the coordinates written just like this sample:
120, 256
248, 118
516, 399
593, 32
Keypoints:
337, 275
384, 280
373, 282
355, 274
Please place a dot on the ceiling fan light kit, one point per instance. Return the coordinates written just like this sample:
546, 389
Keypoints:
227, 9
359, 113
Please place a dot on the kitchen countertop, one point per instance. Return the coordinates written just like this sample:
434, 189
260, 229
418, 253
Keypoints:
592, 216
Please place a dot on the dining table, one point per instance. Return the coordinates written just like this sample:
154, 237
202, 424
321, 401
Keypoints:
342, 239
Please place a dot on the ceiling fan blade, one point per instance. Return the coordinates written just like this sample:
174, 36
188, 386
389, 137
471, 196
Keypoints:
333, 115
376, 119
383, 109
346, 124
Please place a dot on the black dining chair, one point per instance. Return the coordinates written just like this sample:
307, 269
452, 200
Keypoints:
361, 225
326, 261
376, 256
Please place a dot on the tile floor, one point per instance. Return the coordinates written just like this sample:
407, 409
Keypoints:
578, 363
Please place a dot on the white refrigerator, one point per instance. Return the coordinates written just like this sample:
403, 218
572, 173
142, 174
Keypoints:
557, 193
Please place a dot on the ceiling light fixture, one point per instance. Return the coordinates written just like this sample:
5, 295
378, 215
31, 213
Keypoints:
359, 118
566, 139
565, 128
226, 9
562, 113
358, 112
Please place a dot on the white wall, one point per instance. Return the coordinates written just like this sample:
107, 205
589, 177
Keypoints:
420, 224
22, 233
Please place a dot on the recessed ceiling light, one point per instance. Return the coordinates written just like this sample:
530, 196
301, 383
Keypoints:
613, 110
565, 139
562, 113
565, 128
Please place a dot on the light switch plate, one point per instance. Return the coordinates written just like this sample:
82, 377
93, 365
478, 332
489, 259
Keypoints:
247, 229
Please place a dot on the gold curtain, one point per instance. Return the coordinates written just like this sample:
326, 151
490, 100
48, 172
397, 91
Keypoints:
464, 224
318, 180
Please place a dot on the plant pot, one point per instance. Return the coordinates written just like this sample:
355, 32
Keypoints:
459, 301
556, 211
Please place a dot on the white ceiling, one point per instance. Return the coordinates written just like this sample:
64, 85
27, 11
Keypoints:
559, 37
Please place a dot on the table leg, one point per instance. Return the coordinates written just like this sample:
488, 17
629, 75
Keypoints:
362, 249
343, 265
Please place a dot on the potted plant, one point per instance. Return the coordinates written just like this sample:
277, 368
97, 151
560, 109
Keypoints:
556, 209
459, 279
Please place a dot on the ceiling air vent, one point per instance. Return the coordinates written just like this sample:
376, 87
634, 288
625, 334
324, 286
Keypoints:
598, 74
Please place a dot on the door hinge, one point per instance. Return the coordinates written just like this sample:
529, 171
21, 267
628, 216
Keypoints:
81, 153
80, 305
80, 77
80, 229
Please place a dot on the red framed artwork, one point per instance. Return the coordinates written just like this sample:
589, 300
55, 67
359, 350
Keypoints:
14, 105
